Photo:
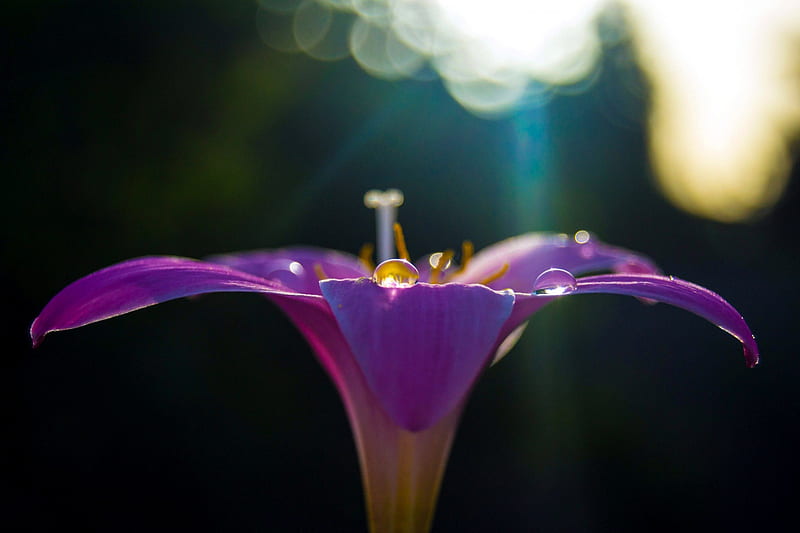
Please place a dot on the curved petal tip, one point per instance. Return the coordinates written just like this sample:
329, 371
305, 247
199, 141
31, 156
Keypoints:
751, 355
36, 337
680, 293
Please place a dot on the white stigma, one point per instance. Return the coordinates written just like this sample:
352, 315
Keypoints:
385, 204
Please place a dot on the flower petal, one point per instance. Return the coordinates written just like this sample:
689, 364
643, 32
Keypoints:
531, 254
421, 347
674, 291
139, 283
295, 267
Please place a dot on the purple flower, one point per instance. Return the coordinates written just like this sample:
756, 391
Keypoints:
403, 344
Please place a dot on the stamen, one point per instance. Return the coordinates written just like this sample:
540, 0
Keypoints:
494, 277
400, 242
385, 204
319, 272
467, 250
365, 255
441, 264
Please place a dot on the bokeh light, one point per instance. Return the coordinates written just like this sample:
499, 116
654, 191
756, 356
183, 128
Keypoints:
487, 53
724, 102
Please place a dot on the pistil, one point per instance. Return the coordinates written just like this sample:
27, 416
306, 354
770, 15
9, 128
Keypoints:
385, 204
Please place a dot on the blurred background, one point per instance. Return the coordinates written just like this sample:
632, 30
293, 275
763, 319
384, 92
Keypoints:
193, 128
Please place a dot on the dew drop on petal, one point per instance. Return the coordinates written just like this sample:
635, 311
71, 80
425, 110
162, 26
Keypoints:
582, 236
553, 282
395, 273
434, 260
587, 247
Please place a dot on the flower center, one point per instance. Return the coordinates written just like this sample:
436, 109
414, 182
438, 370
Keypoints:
392, 272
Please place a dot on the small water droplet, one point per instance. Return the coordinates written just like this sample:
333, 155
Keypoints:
554, 281
586, 246
395, 273
435, 258
582, 236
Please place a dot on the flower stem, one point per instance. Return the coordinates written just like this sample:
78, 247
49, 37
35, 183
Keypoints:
402, 472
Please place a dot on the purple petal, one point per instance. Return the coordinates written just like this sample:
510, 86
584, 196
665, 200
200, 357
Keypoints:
421, 347
677, 292
387, 452
295, 267
524, 307
529, 255
138, 283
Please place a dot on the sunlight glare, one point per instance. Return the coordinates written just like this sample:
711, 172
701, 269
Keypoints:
724, 74
724, 102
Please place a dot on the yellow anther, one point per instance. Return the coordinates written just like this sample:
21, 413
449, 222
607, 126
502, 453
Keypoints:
400, 242
494, 277
319, 272
365, 255
467, 250
441, 264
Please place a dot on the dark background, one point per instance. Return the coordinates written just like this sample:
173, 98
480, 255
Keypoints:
136, 128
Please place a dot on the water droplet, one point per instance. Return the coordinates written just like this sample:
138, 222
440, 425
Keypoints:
435, 258
554, 281
296, 268
395, 273
582, 236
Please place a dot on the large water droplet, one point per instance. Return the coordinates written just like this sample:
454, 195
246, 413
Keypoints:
554, 281
395, 273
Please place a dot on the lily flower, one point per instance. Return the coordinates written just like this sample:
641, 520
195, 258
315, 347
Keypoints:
403, 344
